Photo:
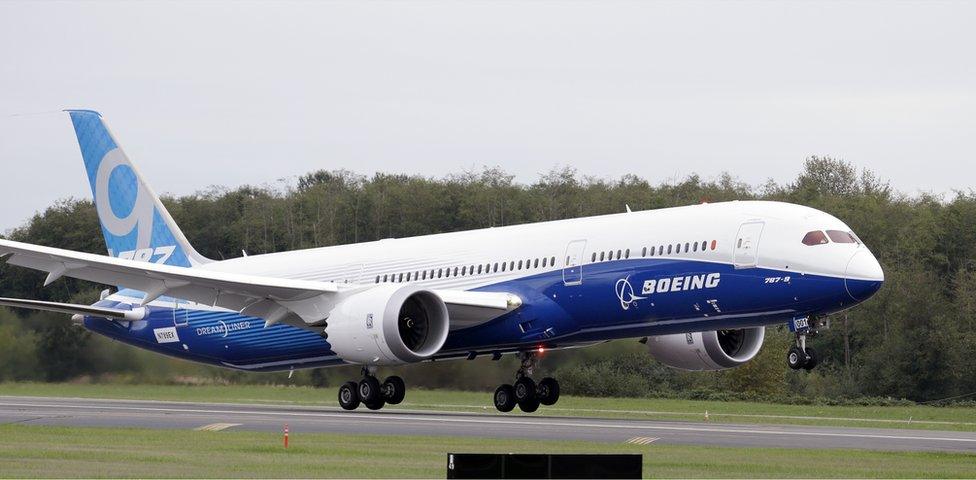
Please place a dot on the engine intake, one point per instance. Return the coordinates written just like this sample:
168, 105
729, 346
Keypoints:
714, 350
388, 325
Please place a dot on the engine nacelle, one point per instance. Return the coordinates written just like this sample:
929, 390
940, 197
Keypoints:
388, 325
714, 350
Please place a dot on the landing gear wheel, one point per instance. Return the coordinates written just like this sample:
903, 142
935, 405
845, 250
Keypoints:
795, 358
505, 398
349, 396
375, 404
811, 360
393, 390
524, 389
548, 391
369, 389
530, 404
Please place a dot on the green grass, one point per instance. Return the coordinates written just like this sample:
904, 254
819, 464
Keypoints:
43, 451
921, 417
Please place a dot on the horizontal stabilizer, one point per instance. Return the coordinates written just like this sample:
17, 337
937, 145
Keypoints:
72, 309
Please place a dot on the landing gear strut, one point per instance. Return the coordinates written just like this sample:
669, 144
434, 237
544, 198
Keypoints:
370, 392
525, 392
800, 355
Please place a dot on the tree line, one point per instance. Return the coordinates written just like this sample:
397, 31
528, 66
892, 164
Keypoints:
915, 339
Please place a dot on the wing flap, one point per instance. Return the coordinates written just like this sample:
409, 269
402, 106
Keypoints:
73, 309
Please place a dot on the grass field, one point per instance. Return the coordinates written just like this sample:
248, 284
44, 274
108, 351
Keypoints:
922, 417
40, 451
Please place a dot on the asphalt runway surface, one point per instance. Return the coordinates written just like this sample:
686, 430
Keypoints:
222, 416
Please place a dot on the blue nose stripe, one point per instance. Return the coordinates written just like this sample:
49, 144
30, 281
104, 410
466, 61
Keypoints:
861, 290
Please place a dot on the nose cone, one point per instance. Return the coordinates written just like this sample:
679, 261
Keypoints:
864, 275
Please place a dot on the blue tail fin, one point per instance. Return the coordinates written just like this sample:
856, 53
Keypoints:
134, 221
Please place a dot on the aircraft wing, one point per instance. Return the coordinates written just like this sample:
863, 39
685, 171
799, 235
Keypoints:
73, 309
298, 302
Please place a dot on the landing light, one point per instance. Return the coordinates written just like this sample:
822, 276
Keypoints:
542, 350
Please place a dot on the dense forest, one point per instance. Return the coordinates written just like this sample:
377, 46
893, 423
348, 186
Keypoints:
914, 340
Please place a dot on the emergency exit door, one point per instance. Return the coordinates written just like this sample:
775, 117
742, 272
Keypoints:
746, 253
573, 266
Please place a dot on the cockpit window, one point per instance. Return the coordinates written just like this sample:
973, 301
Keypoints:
815, 237
840, 236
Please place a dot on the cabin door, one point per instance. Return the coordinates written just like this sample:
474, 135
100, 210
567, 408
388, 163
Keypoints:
746, 253
573, 265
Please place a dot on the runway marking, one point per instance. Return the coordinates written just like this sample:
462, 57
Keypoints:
642, 440
779, 430
422, 408
216, 427
908, 421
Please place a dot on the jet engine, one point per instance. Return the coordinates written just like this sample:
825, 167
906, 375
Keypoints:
388, 325
714, 350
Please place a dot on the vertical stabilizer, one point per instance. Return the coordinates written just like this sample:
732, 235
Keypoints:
135, 223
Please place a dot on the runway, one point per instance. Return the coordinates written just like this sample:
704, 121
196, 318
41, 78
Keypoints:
224, 416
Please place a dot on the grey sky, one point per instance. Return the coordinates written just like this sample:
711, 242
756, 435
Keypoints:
234, 93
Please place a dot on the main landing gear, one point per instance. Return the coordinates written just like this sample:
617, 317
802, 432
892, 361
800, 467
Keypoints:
800, 355
370, 392
525, 393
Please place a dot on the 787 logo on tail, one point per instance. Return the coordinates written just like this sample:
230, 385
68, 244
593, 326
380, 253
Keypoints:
150, 255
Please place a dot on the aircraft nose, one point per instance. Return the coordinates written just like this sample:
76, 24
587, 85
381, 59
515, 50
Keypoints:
863, 276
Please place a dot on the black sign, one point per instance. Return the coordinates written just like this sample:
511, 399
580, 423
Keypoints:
502, 465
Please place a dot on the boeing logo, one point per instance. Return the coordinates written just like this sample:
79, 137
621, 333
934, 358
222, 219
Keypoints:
625, 293
679, 284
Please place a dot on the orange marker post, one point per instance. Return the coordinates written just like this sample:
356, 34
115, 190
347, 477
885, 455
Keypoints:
286, 435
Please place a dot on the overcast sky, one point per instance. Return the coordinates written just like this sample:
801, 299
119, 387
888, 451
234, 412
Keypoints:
248, 93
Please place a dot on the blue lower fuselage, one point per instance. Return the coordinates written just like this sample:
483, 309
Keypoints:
611, 302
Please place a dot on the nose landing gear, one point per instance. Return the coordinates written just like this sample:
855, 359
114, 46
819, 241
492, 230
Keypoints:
800, 355
525, 392
371, 393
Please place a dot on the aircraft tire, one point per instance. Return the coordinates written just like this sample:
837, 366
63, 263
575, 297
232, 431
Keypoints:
529, 405
394, 390
375, 404
811, 360
548, 391
349, 396
795, 358
505, 398
524, 389
369, 389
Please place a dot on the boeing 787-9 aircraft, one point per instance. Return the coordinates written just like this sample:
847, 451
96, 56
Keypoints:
697, 284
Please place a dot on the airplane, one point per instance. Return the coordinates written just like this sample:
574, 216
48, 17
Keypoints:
696, 284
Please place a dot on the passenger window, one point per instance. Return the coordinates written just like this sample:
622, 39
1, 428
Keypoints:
687, 247
644, 252
520, 265
552, 261
815, 237
660, 249
511, 265
401, 278
504, 265
669, 248
694, 247
455, 271
464, 270
704, 244
714, 244
838, 236
535, 264
618, 254
627, 253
